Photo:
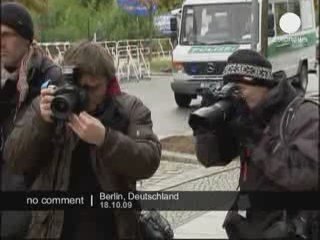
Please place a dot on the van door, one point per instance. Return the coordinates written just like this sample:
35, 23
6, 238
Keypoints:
286, 50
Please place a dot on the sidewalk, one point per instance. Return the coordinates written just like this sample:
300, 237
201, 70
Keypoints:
207, 226
179, 172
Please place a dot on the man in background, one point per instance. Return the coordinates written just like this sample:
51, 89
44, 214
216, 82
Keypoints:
24, 68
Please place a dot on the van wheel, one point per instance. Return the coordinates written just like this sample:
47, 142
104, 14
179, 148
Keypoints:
302, 80
183, 100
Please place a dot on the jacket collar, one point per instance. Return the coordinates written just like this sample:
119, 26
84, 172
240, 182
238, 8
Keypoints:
277, 100
111, 115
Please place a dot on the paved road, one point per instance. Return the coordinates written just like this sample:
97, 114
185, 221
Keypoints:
157, 95
167, 117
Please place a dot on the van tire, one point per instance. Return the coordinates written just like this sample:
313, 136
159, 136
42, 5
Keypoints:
302, 79
183, 100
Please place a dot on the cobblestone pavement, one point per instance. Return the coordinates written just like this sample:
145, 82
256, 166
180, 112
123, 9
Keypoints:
179, 176
166, 170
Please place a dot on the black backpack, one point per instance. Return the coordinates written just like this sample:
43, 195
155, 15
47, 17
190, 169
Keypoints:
303, 224
289, 225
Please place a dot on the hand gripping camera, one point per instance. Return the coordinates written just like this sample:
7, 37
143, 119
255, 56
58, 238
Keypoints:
69, 96
224, 103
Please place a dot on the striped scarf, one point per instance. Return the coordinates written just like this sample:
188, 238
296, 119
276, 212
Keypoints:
22, 83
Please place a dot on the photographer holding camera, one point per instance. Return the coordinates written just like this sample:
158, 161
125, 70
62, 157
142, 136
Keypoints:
84, 135
276, 132
24, 67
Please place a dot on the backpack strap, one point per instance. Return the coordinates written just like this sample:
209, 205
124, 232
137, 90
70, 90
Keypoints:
38, 75
302, 221
289, 114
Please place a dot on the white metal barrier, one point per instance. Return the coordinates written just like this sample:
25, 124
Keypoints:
131, 57
55, 50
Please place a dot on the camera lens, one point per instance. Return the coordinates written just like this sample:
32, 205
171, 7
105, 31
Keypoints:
211, 117
63, 105
222, 109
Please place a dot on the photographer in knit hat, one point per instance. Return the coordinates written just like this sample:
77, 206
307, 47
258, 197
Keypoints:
277, 136
24, 68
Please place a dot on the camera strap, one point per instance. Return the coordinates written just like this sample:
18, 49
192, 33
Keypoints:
289, 114
59, 142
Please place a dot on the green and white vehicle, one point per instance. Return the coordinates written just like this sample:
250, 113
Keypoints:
211, 30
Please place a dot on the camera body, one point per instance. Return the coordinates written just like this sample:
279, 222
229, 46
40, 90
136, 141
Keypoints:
69, 96
222, 107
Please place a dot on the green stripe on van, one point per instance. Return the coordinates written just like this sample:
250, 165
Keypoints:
213, 49
291, 43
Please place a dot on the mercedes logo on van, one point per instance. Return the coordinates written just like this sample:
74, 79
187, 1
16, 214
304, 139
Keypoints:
211, 67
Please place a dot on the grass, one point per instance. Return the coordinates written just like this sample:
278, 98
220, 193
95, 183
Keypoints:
160, 64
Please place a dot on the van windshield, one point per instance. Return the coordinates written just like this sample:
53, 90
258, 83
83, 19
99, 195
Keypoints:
216, 24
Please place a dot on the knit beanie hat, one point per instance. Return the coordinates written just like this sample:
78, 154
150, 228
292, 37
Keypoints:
249, 67
17, 17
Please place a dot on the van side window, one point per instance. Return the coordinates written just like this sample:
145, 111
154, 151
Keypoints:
281, 8
306, 17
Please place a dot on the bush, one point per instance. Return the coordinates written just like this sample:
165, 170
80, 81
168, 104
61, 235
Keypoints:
70, 21
161, 64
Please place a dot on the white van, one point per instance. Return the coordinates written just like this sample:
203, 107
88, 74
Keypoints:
211, 30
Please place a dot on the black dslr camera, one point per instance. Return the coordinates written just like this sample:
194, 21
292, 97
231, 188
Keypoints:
224, 102
69, 96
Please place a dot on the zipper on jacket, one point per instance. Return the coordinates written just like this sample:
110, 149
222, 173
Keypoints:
1, 140
244, 164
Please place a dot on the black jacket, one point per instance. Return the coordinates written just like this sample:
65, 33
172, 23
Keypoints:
266, 163
41, 69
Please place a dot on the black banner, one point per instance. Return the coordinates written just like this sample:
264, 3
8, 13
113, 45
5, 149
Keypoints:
159, 200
